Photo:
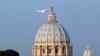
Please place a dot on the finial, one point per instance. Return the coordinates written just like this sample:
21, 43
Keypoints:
51, 8
88, 47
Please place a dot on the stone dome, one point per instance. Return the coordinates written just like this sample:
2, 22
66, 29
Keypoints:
51, 31
88, 52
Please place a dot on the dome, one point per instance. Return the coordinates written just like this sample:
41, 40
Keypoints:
88, 52
51, 31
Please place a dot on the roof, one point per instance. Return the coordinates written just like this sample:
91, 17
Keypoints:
51, 32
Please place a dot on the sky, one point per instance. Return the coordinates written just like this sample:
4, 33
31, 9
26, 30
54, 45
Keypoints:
19, 23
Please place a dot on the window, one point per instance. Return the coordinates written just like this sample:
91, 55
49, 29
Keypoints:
49, 50
43, 51
56, 50
63, 49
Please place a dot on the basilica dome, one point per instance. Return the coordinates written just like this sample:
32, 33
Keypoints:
52, 39
51, 30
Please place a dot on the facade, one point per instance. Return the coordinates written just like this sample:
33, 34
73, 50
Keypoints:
52, 39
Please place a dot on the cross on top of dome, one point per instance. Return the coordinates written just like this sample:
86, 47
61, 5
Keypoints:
51, 8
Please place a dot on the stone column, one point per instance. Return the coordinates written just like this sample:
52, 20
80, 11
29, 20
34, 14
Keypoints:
60, 51
40, 50
67, 50
46, 51
34, 51
53, 50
